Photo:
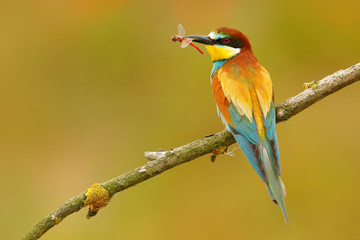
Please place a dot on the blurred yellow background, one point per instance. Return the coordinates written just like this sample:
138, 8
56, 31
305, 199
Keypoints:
88, 86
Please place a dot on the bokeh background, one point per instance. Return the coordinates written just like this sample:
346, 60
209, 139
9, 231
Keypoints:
88, 86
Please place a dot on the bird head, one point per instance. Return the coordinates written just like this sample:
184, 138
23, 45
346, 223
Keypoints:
223, 43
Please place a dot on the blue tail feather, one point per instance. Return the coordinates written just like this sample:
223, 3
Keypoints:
274, 185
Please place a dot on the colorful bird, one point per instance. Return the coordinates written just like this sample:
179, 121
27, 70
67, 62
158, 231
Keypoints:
245, 102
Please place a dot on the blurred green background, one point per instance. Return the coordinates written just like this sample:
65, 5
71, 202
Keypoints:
88, 86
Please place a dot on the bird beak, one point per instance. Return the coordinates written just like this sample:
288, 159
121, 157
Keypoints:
204, 39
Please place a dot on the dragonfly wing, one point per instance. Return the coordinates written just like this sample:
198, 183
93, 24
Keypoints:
185, 42
181, 30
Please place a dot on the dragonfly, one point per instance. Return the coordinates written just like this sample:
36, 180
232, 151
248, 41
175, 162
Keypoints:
184, 40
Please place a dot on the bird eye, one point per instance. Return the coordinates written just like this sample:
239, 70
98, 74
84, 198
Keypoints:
226, 40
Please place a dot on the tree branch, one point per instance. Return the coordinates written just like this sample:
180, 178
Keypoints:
161, 160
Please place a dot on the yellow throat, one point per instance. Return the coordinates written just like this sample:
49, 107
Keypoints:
218, 52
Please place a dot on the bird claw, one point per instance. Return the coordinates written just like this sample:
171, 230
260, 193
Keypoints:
220, 150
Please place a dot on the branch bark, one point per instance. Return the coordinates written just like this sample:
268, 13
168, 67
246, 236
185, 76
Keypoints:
161, 160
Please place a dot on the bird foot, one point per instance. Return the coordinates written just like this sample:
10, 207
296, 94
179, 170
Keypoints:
220, 150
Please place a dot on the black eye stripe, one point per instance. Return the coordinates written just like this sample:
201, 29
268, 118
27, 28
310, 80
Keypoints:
219, 40
235, 43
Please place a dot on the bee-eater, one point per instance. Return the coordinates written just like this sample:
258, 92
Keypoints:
245, 102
